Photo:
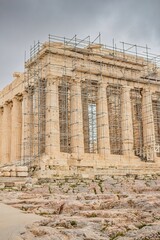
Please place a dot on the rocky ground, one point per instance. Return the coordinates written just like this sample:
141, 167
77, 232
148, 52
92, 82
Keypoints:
119, 208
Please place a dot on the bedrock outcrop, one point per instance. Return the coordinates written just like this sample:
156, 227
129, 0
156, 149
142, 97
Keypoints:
119, 208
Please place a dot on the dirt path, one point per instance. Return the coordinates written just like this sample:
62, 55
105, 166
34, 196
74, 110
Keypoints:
13, 221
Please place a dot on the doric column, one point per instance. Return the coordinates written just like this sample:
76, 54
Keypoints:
52, 136
1, 137
102, 121
126, 124
6, 132
36, 122
148, 125
77, 137
27, 125
16, 134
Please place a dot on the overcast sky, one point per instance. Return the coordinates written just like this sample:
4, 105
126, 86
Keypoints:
24, 21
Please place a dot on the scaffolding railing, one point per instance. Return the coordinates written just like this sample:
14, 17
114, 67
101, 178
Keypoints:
86, 61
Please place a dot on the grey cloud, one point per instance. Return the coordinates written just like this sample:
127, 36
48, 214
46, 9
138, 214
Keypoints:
23, 21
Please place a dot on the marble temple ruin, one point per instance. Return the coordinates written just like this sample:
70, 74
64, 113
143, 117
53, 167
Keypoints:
82, 109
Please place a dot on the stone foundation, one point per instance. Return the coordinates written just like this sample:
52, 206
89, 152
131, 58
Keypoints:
14, 171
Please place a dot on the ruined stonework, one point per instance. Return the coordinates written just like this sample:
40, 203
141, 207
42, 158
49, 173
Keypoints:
81, 108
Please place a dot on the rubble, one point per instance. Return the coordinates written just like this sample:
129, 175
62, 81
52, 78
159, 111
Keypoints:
119, 209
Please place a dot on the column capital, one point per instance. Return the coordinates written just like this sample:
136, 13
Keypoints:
75, 80
1, 109
51, 76
103, 84
52, 80
28, 90
8, 103
18, 97
156, 96
25, 94
145, 90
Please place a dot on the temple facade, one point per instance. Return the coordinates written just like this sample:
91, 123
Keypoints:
82, 109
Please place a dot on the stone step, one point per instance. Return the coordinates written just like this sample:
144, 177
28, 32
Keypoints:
8, 182
13, 179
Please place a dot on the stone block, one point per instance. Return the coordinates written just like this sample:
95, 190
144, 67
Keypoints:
84, 175
28, 185
2, 186
22, 169
6, 174
13, 174
22, 174
13, 168
6, 169
19, 185
9, 184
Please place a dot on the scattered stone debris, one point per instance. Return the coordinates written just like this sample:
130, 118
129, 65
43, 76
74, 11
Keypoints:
121, 208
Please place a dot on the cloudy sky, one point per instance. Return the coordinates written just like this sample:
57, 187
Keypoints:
24, 21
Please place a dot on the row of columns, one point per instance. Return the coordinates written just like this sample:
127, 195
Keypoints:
11, 130
77, 138
13, 133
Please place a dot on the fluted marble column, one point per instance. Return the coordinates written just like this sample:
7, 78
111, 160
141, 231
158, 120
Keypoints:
36, 122
77, 137
6, 132
102, 121
52, 136
27, 125
148, 124
127, 124
1, 140
16, 134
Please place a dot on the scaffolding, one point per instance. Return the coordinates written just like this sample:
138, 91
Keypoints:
89, 62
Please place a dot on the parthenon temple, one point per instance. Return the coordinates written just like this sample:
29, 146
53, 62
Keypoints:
83, 108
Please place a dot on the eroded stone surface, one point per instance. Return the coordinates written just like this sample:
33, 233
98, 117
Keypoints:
115, 208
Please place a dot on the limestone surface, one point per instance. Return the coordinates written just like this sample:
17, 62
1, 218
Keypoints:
119, 208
